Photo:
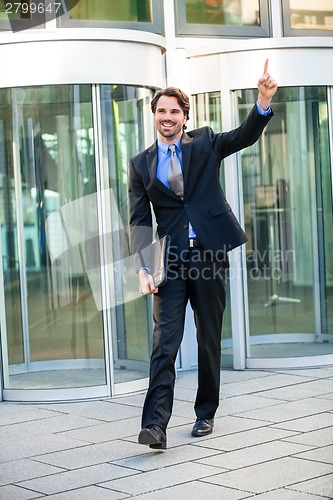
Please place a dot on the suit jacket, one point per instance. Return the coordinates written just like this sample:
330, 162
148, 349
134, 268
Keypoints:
204, 203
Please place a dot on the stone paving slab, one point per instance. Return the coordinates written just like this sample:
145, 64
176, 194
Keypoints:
324, 372
305, 424
70, 480
268, 476
161, 478
12, 492
254, 455
324, 455
290, 410
135, 400
322, 486
318, 438
99, 410
16, 432
100, 433
16, 414
195, 490
232, 405
183, 394
285, 494
19, 470
309, 389
174, 456
93, 454
232, 376
183, 409
89, 493
32, 447
263, 384
245, 439
326, 396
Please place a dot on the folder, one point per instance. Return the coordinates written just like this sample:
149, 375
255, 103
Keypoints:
155, 259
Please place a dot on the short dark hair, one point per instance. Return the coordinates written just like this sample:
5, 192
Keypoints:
182, 98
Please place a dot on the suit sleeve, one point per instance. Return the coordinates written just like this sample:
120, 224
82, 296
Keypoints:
140, 215
241, 137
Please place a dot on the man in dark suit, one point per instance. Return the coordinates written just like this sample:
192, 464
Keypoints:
182, 186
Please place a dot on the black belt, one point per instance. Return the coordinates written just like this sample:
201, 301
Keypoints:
194, 243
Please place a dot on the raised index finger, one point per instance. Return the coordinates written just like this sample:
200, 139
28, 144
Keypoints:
266, 67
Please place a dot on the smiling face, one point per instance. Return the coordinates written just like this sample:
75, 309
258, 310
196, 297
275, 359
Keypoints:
169, 119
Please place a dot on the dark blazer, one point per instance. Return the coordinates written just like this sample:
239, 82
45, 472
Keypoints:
204, 202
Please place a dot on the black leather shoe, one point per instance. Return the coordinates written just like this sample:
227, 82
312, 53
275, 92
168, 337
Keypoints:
203, 427
154, 437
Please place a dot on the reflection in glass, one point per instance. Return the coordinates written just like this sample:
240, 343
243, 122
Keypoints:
15, 10
47, 162
126, 130
106, 10
207, 113
288, 216
223, 12
306, 14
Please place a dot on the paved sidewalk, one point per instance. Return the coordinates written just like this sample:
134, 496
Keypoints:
273, 439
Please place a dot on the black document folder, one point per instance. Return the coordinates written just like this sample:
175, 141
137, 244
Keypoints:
155, 258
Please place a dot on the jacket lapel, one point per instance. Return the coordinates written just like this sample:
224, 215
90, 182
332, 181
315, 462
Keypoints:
152, 161
186, 145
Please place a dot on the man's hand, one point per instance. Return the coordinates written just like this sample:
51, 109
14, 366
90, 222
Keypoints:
267, 87
146, 283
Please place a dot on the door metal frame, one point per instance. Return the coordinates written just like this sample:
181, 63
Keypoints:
102, 222
17, 118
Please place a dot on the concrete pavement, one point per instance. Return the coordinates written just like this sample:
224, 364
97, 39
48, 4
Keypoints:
273, 439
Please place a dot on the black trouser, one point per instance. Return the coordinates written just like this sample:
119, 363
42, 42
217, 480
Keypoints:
200, 279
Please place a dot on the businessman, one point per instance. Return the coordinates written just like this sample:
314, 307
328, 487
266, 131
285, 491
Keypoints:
178, 176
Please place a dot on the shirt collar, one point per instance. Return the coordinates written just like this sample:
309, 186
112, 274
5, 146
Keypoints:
164, 147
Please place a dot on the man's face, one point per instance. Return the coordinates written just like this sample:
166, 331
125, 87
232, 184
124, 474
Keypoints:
169, 119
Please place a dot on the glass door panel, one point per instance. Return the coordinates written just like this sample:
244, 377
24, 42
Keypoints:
54, 330
207, 112
324, 188
126, 130
288, 213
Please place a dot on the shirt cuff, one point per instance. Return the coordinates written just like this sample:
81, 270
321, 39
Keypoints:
261, 111
143, 268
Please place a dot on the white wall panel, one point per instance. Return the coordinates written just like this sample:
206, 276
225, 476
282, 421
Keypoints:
58, 61
244, 63
205, 74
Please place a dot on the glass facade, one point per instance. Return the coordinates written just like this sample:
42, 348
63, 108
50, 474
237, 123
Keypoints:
287, 188
141, 15
229, 13
306, 15
104, 10
222, 18
56, 230
17, 16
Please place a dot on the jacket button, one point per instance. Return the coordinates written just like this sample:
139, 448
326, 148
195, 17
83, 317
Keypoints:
185, 226
185, 205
